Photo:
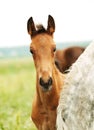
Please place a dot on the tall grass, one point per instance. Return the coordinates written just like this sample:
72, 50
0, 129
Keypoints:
17, 88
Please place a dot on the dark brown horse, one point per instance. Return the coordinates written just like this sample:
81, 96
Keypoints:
66, 57
49, 80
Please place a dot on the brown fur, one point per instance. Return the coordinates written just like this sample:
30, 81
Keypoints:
65, 58
45, 102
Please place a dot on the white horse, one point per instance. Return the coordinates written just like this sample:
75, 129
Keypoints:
76, 104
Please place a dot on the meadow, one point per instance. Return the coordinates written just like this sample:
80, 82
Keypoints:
17, 88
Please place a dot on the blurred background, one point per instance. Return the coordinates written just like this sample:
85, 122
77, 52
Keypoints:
74, 26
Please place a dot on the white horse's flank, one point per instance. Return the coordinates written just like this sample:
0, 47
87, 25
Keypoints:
76, 105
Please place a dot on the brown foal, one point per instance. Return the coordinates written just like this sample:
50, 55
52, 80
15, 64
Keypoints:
49, 80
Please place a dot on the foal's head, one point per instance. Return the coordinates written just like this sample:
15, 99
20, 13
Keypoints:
42, 49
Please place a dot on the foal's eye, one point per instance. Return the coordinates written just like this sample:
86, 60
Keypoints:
54, 49
31, 51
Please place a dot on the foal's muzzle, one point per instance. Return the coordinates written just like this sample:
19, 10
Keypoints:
46, 85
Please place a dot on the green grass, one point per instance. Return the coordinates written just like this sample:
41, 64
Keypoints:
17, 88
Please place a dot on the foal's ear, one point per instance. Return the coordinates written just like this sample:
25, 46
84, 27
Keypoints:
51, 25
31, 26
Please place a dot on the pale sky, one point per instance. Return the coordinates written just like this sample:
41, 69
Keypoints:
74, 19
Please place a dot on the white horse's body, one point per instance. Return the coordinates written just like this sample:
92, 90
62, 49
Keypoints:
76, 105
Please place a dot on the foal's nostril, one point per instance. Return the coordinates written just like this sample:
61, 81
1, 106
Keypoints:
41, 82
50, 81
46, 84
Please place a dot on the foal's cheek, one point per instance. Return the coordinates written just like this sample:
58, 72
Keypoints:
34, 57
36, 62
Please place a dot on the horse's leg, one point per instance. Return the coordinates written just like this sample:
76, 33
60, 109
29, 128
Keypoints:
45, 126
39, 127
52, 127
52, 121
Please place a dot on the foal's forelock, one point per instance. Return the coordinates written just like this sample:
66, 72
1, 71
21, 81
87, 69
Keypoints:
39, 30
